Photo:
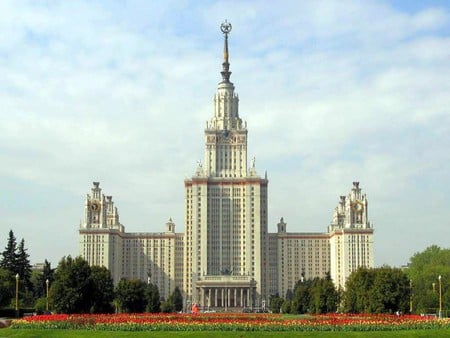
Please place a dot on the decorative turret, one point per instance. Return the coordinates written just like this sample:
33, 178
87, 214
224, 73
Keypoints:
170, 226
351, 211
281, 226
100, 211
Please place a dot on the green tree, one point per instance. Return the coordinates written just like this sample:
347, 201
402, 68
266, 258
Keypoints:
323, 296
380, 290
286, 307
40, 281
72, 289
276, 302
356, 295
130, 295
177, 299
302, 296
40, 306
390, 291
9, 256
174, 303
289, 295
103, 290
167, 307
23, 266
153, 298
6, 287
424, 269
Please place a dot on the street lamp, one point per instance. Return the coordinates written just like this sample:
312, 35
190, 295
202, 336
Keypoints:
46, 284
17, 295
410, 297
440, 297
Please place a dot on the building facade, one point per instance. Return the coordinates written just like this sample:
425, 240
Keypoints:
226, 258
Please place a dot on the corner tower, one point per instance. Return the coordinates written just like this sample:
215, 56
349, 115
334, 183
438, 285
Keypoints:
351, 236
226, 211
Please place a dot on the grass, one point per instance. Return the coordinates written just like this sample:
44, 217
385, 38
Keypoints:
24, 333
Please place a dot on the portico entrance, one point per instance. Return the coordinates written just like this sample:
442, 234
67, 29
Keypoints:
226, 293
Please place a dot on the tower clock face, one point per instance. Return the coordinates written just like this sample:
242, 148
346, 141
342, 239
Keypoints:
95, 206
358, 206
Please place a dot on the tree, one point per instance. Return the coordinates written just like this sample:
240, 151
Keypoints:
40, 306
153, 298
177, 299
174, 303
289, 295
286, 307
9, 256
356, 295
380, 290
6, 287
424, 269
23, 266
390, 291
167, 307
72, 289
130, 295
323, 295
103, 290
302, 296
40, 281
276, 302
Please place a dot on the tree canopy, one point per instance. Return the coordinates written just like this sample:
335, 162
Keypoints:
15, 260
317, 295
177, 299
174, 303
102, 290
424, 271
40, 282
6, 286
78, 288
23, 266
379, 290
153, 298
9, 255
276, 303
131, 295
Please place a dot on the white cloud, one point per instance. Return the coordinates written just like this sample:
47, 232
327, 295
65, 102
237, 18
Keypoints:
119, 92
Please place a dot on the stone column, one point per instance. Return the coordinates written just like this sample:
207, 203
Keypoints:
202, 297
235, 297
242, 298
248, 297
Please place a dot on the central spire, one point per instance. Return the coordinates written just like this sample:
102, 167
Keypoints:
225, 28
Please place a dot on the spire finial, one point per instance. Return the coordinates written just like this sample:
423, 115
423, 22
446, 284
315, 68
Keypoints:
225, 27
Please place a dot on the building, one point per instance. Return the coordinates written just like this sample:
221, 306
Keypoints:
351, 236
226, 258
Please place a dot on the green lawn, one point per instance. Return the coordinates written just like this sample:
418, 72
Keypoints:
4, 333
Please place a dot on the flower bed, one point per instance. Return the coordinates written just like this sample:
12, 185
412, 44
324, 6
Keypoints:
230, 322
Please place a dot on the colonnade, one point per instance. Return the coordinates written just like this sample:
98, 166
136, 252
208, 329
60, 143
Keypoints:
226, 297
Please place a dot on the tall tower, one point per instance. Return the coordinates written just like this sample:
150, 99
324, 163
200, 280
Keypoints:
226, 211
351, 236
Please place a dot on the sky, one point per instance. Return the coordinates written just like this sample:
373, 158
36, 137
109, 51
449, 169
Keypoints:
120, 91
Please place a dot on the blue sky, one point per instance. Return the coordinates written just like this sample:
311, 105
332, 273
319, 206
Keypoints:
119, 92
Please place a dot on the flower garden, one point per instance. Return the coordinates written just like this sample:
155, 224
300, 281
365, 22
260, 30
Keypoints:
230, 322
